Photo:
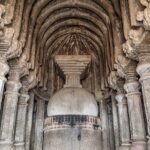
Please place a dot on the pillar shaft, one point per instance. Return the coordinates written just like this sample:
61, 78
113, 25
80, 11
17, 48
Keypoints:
4, 70
29, 122
10, 108
115, 120
123, 121
21, 122
39, 124
143, 69
135, 115
105, 126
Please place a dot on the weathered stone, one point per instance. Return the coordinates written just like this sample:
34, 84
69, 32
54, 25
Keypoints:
10, 108
107, 35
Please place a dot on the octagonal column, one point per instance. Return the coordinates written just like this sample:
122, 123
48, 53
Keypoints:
29, 118
10, 108
132, 87
123, 122
39, 124
105, 125
103, 114
21, 122
143, 69
115, 120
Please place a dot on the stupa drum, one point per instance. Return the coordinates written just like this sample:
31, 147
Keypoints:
72, 122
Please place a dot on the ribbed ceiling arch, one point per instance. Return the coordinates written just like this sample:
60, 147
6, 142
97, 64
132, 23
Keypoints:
50, 27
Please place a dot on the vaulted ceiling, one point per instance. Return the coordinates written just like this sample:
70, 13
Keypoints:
50, 27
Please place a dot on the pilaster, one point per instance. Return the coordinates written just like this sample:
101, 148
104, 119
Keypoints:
28, 82
115, 120
117, 84
39, 124
4, 46
21, 122
123, 116
102, 98
133, 94
143, 69
4, 70
29, 121
10, 108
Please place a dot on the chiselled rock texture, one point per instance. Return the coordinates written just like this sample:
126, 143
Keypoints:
77, 69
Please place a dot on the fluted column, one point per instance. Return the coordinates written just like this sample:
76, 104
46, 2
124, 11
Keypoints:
143, 69
21, 122
123, 121
135, 109
10, 108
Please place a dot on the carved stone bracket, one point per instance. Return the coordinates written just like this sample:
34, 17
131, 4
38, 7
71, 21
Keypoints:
15, 50
135, 38
126, 68
116, 82
29, 82
144, 16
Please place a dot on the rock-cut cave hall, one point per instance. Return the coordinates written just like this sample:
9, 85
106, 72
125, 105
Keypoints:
74, 74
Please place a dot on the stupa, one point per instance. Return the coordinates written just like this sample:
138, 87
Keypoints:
72, 122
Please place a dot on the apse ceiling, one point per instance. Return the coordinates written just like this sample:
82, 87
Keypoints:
50, 27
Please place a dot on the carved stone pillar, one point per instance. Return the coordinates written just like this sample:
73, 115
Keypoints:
117, 84
10, 108
21, 122
29, 121
123, 121
104, 120
28, 83
132, 87
115, 120
143, 69
4, 70
39, 124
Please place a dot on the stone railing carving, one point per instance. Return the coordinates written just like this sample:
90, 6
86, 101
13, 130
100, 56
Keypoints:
70, 121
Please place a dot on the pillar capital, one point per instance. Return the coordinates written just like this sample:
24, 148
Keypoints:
143, 68
132, 87
126, 68
121, 99
14, 84
116, 82
4, 67
72, 66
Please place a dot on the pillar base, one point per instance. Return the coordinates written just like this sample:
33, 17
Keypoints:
148, 143
19, 146
6, 145
126, 146
139, 145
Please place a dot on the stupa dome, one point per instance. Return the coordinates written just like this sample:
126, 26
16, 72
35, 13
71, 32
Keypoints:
72, 101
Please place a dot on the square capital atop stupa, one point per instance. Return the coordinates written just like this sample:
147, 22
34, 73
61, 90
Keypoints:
72, 66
